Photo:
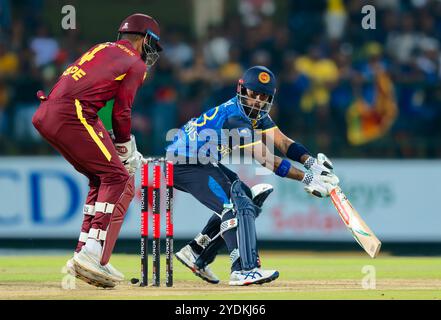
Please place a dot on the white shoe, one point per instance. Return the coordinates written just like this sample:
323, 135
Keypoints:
84, 276
89, 269
118, 276
206, 274
188, 258
255, 276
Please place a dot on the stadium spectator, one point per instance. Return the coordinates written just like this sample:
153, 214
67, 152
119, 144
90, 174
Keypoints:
4, 101
177, 50
44, 46
322, 73
324, 60
8, 62
402, 44
335, 19
5, 16
216, 47
252, 10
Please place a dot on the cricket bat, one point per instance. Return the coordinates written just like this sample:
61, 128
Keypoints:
359, 229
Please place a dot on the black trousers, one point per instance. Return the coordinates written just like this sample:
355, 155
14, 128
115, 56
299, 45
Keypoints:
209, 183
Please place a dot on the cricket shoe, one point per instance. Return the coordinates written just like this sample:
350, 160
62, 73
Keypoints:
206, 274
188, 258
255, 276
70, 267
89, 269
117, 275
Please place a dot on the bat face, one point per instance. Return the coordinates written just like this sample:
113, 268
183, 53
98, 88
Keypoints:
359, 229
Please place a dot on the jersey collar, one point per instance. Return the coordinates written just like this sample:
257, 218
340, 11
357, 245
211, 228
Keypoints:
126, 43
253, 123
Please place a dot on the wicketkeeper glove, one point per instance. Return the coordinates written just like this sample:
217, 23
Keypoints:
319, 165
320, 185
129, 155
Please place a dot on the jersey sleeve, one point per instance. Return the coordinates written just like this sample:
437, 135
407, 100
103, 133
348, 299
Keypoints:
122, 109
266, 124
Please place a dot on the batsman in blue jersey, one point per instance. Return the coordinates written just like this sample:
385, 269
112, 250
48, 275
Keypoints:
242, 123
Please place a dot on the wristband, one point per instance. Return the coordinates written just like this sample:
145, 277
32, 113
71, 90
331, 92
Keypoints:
296, 151
283, 169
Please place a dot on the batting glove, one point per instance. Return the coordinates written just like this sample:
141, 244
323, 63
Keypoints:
319, 165
129, 155
320, 185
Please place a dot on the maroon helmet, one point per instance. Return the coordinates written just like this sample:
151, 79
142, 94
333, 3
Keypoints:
146, 26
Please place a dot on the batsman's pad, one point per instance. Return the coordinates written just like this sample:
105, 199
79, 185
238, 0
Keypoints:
213, 240
228, 231
117, 218
246, 213
260, 192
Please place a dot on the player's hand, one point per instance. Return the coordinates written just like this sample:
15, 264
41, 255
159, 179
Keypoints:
129, 155
134, 163
320, 185
319, 165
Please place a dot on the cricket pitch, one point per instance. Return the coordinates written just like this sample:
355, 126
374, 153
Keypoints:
302, 276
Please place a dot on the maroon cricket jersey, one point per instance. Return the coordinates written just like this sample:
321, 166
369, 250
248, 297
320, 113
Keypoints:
111, 70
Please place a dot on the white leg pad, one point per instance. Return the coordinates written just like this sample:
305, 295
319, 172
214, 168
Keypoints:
89, 210
97, 234
234, 255
104, 207
228, 224
83, 237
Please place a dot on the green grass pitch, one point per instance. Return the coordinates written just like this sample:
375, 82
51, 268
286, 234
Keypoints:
302, 276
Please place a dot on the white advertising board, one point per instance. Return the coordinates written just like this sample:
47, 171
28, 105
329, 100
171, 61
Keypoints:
42, 197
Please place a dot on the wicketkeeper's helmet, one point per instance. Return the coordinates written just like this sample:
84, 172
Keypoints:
146, 26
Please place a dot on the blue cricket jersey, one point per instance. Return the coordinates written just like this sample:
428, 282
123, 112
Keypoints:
218, 131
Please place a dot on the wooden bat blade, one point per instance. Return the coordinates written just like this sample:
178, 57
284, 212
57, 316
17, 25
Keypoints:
356, 225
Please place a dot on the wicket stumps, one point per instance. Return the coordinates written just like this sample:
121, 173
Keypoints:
156, 244
153, 196
144, 224
169, 224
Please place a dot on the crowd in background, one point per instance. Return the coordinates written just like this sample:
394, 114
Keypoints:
324, 61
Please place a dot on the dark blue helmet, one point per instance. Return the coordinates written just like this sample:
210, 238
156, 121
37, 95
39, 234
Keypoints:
256, 91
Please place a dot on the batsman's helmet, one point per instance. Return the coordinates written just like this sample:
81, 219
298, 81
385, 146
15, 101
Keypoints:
148, 27
257, 82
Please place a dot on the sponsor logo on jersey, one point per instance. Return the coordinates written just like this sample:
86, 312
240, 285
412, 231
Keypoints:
244, 132
224, 150
191, 130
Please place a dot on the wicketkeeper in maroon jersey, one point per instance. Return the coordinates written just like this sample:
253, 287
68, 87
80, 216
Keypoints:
67, 118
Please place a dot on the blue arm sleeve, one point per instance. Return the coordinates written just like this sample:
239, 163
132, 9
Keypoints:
296, 151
